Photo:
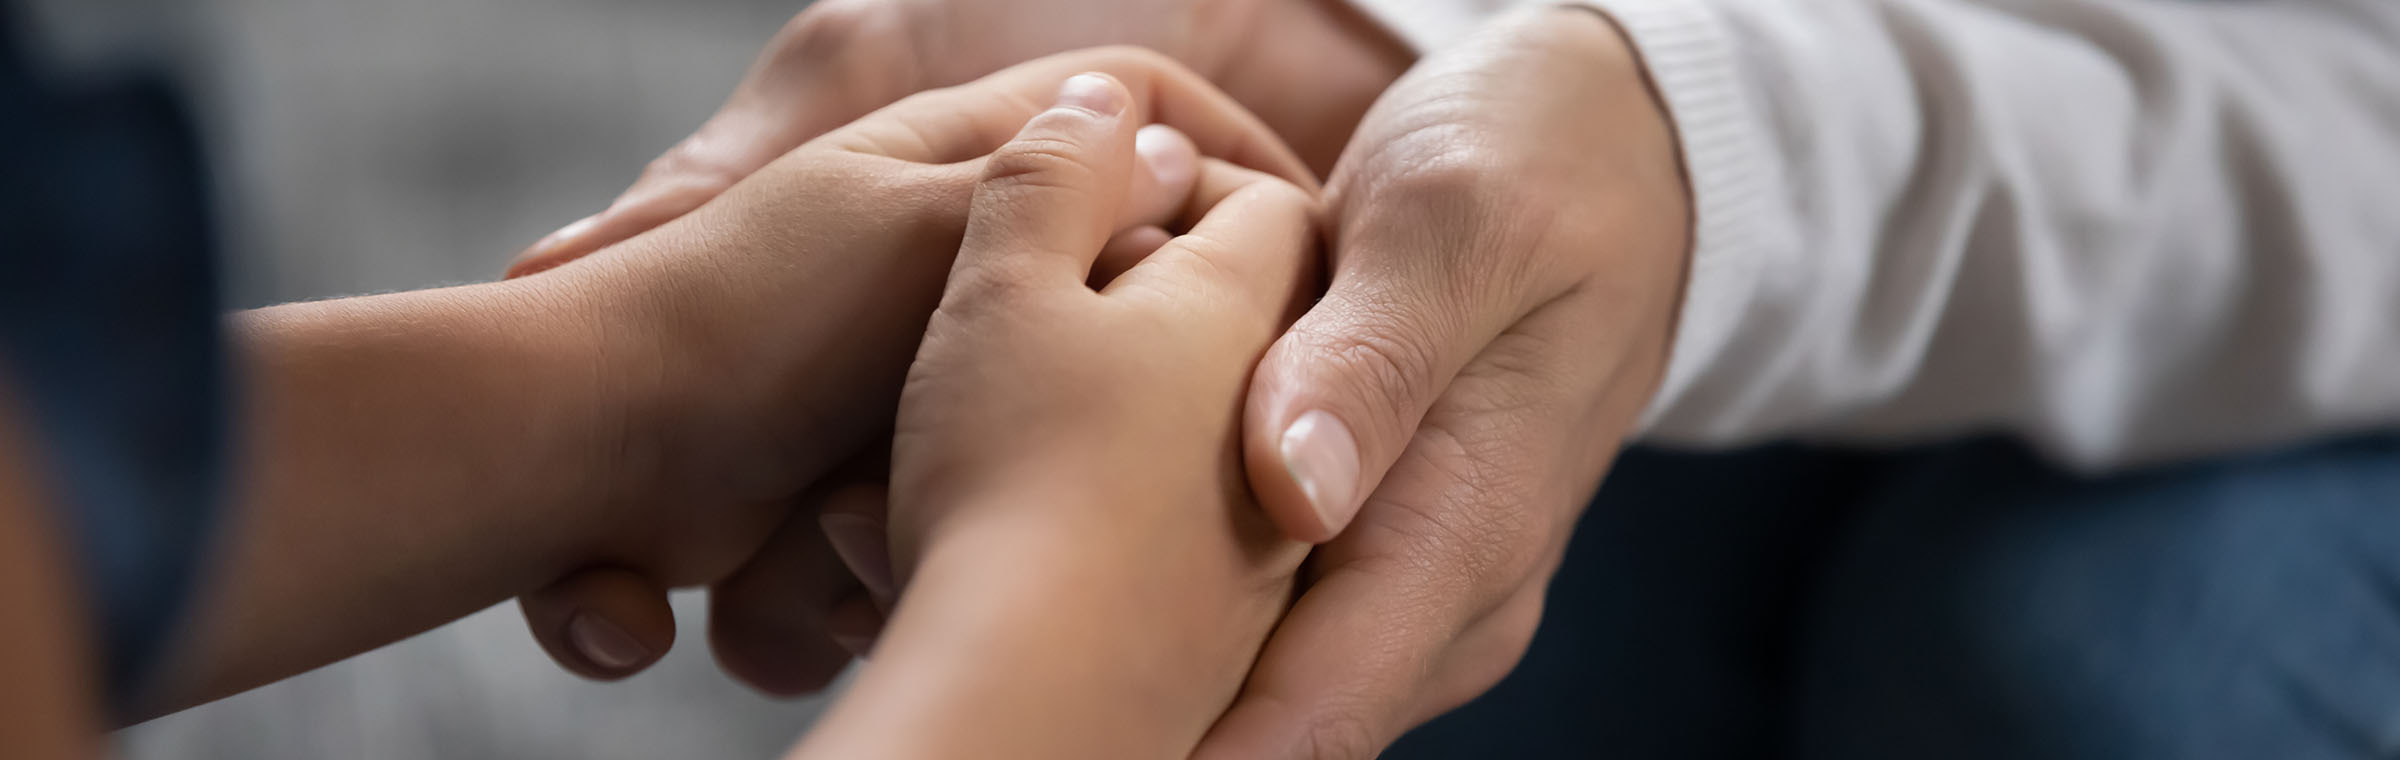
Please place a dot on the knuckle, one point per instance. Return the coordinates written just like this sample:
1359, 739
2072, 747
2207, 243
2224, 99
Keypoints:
983, 289
1038, 162
1449, 209
1383, 357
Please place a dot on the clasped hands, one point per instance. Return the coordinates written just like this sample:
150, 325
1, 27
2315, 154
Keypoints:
1131, 385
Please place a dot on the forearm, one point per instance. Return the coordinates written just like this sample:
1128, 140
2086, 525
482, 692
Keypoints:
1028, 639
407, 459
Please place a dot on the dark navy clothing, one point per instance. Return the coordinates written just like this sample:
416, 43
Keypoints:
1964, 602
109, 338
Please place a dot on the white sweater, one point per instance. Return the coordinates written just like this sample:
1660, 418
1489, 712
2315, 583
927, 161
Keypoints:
2125, 230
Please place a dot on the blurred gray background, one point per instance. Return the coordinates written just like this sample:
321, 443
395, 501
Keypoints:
373, 145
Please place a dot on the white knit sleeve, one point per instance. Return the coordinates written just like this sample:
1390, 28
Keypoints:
2127, 230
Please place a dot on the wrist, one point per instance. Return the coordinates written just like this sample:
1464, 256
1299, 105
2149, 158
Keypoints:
1150, 585
1028, 638
595, 381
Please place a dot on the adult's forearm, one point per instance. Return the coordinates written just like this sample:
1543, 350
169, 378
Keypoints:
406, 459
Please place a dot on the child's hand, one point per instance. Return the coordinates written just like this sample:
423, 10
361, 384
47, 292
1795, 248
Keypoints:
761, 341
1086, 573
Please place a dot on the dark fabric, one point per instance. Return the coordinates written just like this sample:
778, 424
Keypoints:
108, 331
1964, 602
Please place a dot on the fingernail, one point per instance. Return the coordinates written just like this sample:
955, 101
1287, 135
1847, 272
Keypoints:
573, 230
861, 544
1172, 159
854, 635
1323, 458
603, 643
1092, 92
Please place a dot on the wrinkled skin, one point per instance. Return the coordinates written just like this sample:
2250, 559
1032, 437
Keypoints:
1511, 229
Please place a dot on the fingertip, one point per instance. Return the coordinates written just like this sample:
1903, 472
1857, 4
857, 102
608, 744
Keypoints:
855, 623
602, 623
773, 656
556, 248
1126, 251
605, 644
1320, 456
1050, 198
1094, 92
862, 542
1170, 171
1279, 495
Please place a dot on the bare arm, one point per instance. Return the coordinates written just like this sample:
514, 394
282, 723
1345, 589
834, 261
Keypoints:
48, 701
407, 459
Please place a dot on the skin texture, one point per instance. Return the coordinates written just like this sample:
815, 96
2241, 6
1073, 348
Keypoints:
1510, 236
833, 62
840, 59
1510, 244
657, 410
1086, 574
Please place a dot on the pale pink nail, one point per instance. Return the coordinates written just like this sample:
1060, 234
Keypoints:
603, 643
1172, 159
1322, 458
1092, 92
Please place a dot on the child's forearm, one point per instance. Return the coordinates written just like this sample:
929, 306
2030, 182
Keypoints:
406, 459
1026, 638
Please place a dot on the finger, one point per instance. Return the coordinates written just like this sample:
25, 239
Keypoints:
1339, 679
1337, 399
855, 623
768, 621
1124, 251
821, 71
1049, 199
602, 623
1167, 168
1429, 599
1166, 171
1253, 239
1485, 652
855, 523
960, 123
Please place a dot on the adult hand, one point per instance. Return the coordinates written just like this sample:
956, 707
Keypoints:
766, 346
840, 59
1510, 242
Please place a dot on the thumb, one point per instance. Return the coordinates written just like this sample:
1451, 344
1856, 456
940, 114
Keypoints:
1050, 199
1337, 399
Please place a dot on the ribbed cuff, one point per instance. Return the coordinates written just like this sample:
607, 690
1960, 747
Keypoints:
1691, 57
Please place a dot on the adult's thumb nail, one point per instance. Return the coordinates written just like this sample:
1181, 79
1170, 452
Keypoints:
1322, 458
